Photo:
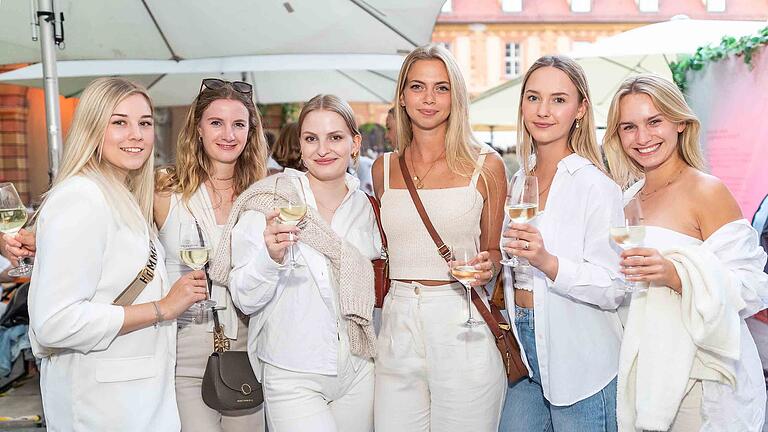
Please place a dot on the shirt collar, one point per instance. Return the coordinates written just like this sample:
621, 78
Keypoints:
352, 182
574, 162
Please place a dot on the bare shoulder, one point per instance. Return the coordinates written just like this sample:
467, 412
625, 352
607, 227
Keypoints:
160, 207
377, 172
714, 204
495, 165
494, 176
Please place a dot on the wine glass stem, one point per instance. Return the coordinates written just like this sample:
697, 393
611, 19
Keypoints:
467, 289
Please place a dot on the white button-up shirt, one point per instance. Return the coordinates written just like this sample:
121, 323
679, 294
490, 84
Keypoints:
295, 323
578, 332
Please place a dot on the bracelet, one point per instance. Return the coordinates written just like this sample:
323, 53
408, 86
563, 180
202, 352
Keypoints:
493, 269
158, 315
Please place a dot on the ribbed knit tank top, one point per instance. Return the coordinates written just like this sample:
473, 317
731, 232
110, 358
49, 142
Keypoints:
455, 212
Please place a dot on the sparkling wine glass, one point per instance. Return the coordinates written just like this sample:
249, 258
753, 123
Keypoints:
521, 206
291, 205
631, 235
195, 251
464, 272
13, 216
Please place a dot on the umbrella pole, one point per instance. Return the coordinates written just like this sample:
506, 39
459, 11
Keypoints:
46, 19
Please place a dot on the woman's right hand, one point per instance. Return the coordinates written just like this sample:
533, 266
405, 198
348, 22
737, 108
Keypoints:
20, 245
279, 237
188, 290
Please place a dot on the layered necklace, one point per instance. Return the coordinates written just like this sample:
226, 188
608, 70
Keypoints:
645, 195
419, 180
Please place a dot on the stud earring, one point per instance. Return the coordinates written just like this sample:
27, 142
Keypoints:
578, 123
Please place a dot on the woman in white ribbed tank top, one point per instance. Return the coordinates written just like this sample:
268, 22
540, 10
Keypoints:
432, 372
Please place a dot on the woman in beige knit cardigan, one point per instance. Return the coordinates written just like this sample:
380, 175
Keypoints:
310, 337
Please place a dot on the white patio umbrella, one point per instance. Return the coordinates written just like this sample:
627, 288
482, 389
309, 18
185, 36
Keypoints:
194, 29
609, 61
276, 78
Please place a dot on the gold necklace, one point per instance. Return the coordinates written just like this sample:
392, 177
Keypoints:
644, 196
548, 186
419, 181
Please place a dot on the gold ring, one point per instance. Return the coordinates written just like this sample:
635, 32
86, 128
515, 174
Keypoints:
527, 246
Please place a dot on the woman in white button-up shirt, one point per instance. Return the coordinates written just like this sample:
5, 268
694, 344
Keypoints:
297, 340
564, 305
105, 367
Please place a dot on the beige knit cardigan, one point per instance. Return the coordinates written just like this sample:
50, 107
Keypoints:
352, 272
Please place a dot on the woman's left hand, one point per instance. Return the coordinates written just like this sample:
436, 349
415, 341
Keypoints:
529, 245
648, 265
483, 263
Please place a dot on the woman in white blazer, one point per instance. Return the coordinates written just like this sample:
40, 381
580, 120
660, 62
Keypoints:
104, 366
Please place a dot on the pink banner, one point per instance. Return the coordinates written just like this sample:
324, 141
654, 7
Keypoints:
732, 102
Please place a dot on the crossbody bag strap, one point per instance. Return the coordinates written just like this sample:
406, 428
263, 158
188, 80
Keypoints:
377, 214
137, 285
492, 317
442, 248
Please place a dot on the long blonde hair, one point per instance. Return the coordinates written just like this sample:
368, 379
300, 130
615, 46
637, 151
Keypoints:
194, 167
83, 153
669, 100
581, 140
461, 147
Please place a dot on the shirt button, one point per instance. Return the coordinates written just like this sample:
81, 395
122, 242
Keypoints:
417, 291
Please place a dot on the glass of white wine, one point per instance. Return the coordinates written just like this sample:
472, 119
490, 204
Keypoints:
13, 216
195, 250
521, 206
292, 206
631, 235
464, 272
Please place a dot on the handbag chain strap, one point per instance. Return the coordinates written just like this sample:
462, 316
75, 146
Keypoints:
493, 318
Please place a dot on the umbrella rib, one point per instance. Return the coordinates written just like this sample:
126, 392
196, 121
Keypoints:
367, 8
159, 30
383, 99
382, 75
152, 84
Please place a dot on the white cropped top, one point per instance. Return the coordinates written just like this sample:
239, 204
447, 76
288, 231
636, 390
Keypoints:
455, 212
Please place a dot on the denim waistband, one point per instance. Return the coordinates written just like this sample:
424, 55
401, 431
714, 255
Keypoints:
523, 314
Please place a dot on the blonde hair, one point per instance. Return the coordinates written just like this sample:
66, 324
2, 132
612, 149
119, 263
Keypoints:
461, 147
194, 167
84, 146
669, 100
287, 151
326, 102
581, 140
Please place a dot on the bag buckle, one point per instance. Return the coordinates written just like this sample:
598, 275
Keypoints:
504, 326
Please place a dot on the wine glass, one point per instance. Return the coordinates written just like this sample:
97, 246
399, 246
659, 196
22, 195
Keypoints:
522, 205
631, 235
195, 251
13, 216
464, 272
289, 200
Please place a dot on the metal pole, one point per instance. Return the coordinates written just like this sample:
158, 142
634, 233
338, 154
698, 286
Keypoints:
51, 81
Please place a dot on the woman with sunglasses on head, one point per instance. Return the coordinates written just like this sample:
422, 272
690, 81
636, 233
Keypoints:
432, 371
106, 367
564, 303
688, 361
311, 336
220, 151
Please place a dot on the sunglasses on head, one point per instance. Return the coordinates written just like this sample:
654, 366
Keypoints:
216, 83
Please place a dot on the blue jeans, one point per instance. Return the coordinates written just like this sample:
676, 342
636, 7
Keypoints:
526, 409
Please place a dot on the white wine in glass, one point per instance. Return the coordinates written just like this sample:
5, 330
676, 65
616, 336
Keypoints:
289, 200
464, 272
630, 234
13, 216
194, 251
521, 206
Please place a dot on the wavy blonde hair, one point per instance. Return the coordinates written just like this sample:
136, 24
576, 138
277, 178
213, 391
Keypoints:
581, 140
461, 147
194, 166
670, 102
83, 153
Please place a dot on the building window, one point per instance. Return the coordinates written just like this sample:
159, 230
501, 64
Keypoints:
512, 60
715, 5
581, 5
648, 5
447, 7
512, 5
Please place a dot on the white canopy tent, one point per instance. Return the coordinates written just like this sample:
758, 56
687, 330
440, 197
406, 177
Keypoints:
276, 78
609, 61
195, 29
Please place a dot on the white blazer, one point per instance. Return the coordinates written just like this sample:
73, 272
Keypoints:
96, 380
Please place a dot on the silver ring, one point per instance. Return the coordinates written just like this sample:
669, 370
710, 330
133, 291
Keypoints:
527, 246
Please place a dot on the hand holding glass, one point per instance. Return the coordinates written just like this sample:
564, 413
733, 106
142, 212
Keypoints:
194, 250
631, 235
521, 206
13, 216
464, 272
292, 208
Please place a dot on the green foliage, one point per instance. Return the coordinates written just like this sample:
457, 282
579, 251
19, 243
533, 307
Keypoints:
744, 46
290, 112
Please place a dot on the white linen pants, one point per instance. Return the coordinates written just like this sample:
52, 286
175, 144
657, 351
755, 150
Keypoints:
307, 402
432, 372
